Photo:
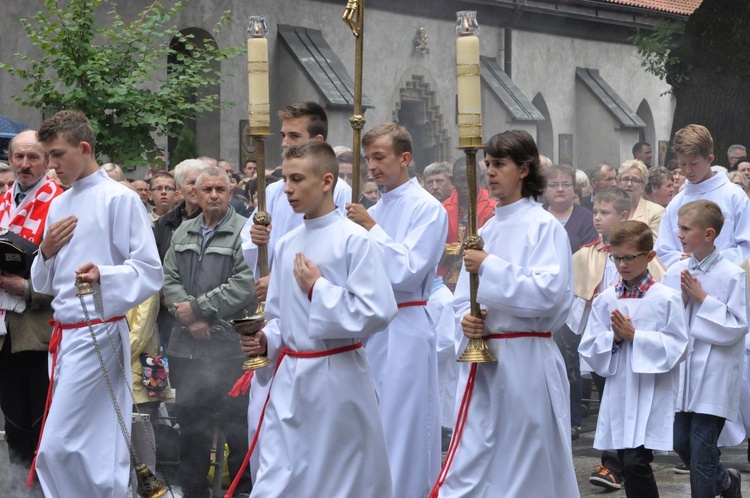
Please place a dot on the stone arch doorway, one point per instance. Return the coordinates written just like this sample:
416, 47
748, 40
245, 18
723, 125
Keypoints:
545, 137
647, 134
417, 106
207, 127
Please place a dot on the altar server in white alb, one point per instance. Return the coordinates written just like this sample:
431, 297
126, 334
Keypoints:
97, 232
715, 298
299, 121
512, 436
693, 146
321, 434
636, 337
410, 225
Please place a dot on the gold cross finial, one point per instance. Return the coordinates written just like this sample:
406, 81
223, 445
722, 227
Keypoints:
352, 16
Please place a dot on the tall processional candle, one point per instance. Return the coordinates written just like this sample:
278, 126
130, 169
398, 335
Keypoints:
259, 108
468, 82
470, 140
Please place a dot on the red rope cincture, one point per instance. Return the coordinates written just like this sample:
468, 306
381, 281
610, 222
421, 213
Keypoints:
463, 410
54, 344
409, 304
295, 354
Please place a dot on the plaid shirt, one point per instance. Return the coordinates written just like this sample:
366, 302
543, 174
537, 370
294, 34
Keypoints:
637, 291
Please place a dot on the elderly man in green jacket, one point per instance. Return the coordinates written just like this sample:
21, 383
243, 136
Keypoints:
206, 284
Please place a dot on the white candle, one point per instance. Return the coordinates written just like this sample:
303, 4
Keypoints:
469, 91
257, 78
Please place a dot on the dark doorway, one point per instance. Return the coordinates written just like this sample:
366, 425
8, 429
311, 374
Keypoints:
418, 112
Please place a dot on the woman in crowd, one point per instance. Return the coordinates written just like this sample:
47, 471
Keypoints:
660, 186
633, 179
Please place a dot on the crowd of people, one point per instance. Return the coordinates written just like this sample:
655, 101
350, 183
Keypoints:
627, 276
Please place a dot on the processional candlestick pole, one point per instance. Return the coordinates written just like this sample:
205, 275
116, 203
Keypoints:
469, 140
259, 123
354, 17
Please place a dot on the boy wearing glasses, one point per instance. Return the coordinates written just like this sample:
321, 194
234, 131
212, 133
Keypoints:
595, 272
694, 146
635, 337
715, 300
162, 193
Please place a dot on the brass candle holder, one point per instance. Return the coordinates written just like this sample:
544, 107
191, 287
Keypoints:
469, 140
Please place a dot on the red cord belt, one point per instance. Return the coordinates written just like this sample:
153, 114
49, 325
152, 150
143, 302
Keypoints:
54, 344
409, 304
295, 354
464, 408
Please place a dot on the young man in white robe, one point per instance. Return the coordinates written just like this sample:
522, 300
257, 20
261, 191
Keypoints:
635, 337
299, 121
693, 146
715, 299
321, 433
98, 233
410, 226
515, 438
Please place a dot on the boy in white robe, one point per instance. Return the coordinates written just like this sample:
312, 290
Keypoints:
515, 440
594, 272
321, 433
99, 233
299, 121
714, 295
635, 337
693, 146
410, 225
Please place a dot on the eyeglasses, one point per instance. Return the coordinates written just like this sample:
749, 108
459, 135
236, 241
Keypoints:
628, 179
625, 259
163, 189
557, 185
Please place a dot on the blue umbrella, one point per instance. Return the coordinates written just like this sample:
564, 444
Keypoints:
10, 126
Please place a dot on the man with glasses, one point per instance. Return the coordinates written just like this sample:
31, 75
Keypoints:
162, 194
735, 153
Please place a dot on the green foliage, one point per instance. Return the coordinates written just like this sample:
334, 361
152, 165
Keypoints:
118, 74
656, 48
187, 147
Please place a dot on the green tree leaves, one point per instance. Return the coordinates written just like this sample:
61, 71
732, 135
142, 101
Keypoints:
135, 80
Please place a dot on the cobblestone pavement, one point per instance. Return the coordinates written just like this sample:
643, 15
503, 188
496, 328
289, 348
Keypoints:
671, 485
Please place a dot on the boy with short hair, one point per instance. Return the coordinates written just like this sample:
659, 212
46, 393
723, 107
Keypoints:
693, 146
97, 232
321, 434
299, 121
593, 273
635, 337
410, 225
714, 295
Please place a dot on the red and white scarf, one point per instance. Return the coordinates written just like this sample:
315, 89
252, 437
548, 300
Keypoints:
28, 219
